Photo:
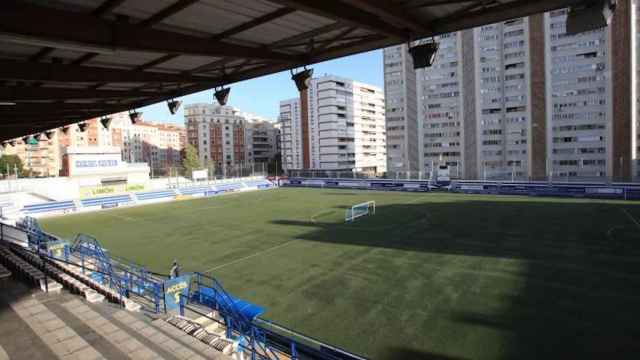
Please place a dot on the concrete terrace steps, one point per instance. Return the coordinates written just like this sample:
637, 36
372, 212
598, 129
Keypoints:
70, 281
215, 338
28, 270
174, 344
113, 332
62, 340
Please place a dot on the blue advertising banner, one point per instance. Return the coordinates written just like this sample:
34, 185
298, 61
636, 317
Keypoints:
172, 290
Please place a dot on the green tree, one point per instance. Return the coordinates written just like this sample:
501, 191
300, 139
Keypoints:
10, 163
190, 161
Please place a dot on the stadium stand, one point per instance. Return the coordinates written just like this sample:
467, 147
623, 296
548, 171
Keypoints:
8, 209
228, 187
259, 184
207, 335
368, 184
48, 207
155, 195
620, 191
68, 281
194, 190
4, 273
107, 201
27, 270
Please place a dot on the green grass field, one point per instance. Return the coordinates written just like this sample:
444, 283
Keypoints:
430, 276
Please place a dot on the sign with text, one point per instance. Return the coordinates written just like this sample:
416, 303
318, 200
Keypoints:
173, 288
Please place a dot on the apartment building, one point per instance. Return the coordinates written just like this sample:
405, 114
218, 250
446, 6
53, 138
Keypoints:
403, 151
41, 155
289, 119
262, 140
522, 99
226, 136
344, 128
439, 108
157, 144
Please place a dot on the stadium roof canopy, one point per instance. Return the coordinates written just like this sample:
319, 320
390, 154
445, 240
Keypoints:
66, 61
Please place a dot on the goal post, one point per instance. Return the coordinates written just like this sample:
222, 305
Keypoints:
359, 210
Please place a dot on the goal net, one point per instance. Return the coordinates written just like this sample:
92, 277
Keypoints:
359, 210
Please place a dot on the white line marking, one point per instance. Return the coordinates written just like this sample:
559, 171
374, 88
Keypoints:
321, 212
250, 256
632, 218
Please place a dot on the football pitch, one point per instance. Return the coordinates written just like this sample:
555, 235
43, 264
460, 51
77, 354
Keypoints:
429, 276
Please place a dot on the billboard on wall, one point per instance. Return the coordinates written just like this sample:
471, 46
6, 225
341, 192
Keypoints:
199, 175
89, 161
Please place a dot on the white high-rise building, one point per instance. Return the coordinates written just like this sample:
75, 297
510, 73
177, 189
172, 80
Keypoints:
440, 107
403, 151
342, 129
579, 106
521, 99
290, 134
502, 102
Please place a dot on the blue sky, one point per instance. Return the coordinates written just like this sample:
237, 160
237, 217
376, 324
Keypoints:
262, 95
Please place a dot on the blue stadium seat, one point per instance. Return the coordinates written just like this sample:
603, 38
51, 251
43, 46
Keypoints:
152, 195
107, 200
48, 206
260, 184
228, 187
194, 190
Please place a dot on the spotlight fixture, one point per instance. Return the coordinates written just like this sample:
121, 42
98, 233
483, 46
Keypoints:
25, 139
174, 105
424, 55
12, 143
222, 95
65, 129
82, 126
135, 116
49, 134
302, 79
5, 144
105, 121
590, 16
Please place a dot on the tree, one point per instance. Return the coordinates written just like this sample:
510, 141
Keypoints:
190, 161
10, 163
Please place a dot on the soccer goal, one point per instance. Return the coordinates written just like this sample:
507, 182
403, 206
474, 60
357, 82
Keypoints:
359, 210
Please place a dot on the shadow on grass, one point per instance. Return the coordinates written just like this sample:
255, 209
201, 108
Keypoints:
578, 293
413, 354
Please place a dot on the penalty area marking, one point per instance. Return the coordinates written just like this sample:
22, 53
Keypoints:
632, 218
250, 256
321, 212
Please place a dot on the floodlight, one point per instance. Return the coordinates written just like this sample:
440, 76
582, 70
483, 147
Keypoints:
5, 144
173, 105
25, 139
135, 116
48, 134
424, 55
82, 126
302, 79
222, 95
590, 16
105, 121
65, 129
12, 143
